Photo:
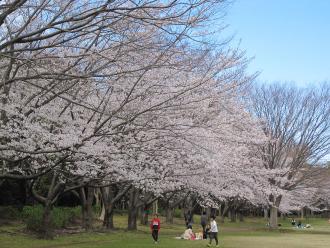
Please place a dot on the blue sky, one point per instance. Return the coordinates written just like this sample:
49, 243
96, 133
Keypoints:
290, 39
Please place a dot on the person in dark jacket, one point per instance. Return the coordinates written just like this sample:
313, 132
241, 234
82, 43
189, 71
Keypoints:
204, 223
188, 218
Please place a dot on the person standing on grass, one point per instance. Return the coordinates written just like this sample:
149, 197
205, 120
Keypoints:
188, 218
155, 227
213, 232
203, 223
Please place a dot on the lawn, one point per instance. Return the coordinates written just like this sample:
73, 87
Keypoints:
249, 234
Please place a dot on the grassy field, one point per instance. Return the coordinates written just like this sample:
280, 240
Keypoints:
249, 234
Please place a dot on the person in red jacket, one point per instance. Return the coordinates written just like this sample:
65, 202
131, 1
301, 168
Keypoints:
155, 227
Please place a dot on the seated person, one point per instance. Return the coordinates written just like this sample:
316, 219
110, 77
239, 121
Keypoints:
188, 234
199, 235
300, 225
293, 222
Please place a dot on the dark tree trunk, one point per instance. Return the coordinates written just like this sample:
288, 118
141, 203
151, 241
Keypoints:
54, 191
46, 231
208, 213
109, 200
132, 219
108, 218
241, 217
90, 215
134, 205
232, 215
169, 215
273, 217
266, 213
87, 207
132, 210
274, 213
222, 220
302, 213
182, 211
83, 213
144, 215
224, 212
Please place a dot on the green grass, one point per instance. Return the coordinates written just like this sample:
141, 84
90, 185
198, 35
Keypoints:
249, 234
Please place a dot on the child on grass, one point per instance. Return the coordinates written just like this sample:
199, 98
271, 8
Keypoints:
213, 232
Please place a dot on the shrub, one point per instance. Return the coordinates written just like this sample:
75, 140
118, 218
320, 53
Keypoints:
9, 212
177, 213
32, 216
97, 209
161, 211
120, 211
60, 216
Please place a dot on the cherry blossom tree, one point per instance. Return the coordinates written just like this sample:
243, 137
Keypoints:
298, 126
81, 33
123, 96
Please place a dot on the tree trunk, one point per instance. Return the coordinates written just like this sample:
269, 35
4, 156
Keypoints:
142, 216
46, 231
273, 217
97, 197
302, 212
273, 222
214, 212
169, 215
108, 198
132, 210
182, 211
266, 213
90, 215
222, 219
232, 215
132, 219
54, 191
108, 217
155, 207
208, 213
83, 214
102, 215
224, 212
241, 217
87, 210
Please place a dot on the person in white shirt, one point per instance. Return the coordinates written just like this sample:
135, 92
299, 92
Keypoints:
213, 232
